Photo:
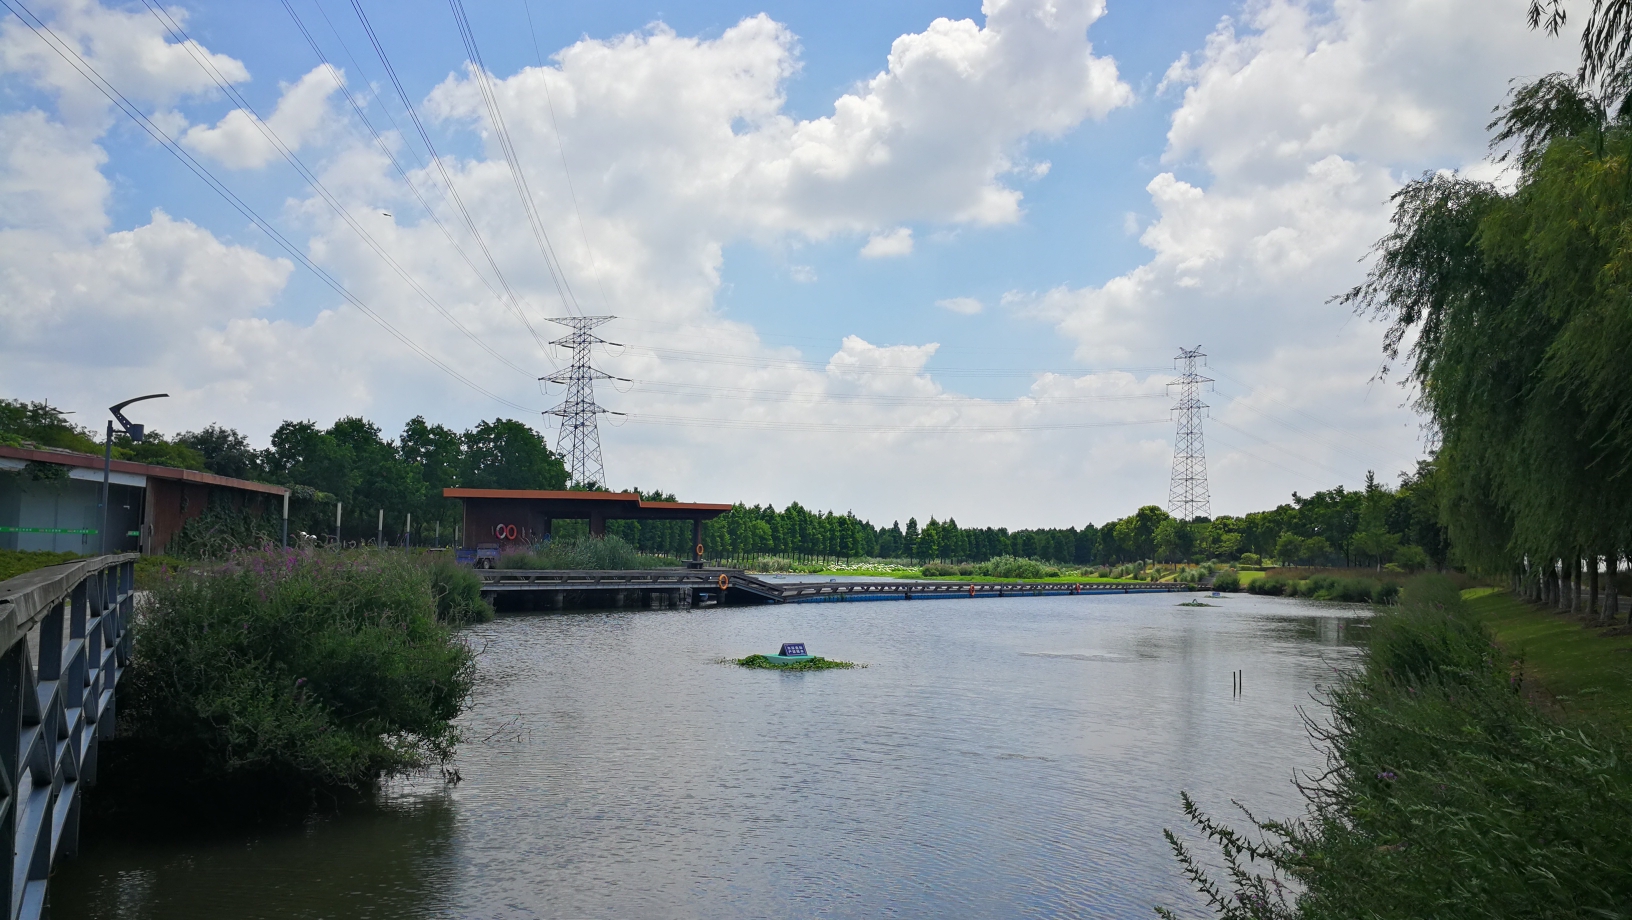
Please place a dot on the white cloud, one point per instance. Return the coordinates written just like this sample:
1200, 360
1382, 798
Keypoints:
803, 274
1302, 123
300, 117
1291, 132
968, 306
130, 48
897, 242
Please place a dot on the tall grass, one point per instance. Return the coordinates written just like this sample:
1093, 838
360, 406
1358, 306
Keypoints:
600, 553
280, 671
1448, 794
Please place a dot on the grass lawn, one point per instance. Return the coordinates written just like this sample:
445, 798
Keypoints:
1585, 670
1248, 578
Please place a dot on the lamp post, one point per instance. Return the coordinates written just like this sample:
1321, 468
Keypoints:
135, 432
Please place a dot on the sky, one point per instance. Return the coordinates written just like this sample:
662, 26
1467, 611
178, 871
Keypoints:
906, 259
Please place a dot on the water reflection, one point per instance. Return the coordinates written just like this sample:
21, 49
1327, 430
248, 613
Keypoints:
996, 758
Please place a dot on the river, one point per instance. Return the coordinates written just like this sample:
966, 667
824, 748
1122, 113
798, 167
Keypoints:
997, 758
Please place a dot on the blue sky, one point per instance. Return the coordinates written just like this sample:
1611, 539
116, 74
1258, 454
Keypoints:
1107, 183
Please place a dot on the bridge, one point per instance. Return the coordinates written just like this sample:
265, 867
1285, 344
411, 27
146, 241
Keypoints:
528, 589
64, 631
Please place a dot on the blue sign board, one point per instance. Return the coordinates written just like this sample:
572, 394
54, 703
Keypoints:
792, 649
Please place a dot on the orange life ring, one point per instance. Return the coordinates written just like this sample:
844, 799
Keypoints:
971, 590
510, 531
725, 582
699, 551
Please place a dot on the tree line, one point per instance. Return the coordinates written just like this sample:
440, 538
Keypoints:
353, 463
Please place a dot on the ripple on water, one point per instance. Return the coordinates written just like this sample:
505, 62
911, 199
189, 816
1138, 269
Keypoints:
998, 758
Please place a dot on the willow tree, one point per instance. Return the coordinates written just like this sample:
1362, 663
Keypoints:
1513, 310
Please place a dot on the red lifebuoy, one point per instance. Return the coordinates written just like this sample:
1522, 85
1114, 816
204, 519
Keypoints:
509, 531
971, 590
498, 531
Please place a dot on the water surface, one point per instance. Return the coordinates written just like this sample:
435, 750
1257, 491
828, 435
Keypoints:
998, 758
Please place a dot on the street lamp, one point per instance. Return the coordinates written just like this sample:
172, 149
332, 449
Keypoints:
135, 432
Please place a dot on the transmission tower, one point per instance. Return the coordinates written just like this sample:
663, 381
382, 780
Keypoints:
1187, 497
580, 440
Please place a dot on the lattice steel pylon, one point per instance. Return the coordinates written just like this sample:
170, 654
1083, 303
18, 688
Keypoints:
1187, 497
580, 440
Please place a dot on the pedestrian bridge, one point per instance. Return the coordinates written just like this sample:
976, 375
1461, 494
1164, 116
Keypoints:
65, 635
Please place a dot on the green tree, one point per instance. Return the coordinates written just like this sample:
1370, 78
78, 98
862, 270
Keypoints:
506, 454
226, 452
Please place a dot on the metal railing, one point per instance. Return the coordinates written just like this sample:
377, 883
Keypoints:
66, 640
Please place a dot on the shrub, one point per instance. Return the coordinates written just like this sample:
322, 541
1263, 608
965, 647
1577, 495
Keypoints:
222, 530
282, 671
458, 590
610, 552
1251, 559
1010, 567
938, 570
1227, 581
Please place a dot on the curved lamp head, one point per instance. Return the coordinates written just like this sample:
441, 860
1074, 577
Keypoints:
135, 431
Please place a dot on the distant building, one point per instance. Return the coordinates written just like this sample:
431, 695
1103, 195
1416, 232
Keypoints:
49, 497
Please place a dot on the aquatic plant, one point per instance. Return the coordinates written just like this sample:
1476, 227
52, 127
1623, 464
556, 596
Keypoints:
817, 663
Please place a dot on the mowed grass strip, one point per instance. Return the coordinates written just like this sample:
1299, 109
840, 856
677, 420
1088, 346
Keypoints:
1586, 671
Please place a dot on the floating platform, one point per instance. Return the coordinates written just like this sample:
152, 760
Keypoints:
514, 590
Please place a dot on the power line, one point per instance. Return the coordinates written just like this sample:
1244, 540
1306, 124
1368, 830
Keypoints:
119, 100
560, 146
1187, 495
491, 99
750, 394
193, 50
408, 181
449, 189
768, 425
739, 360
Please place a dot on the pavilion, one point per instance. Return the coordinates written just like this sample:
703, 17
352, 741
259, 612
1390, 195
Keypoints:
505, 517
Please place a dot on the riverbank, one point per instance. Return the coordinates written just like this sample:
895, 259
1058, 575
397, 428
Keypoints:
1581, 670
1453, 790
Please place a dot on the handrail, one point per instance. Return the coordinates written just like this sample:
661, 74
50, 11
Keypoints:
25, 599
55, 710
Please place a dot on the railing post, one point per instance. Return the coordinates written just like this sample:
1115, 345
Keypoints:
11, 731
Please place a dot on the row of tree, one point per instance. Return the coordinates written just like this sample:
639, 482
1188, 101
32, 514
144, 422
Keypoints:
352, 462
1511, 309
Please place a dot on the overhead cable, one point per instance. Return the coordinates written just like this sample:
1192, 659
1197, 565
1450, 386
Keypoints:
560, 146
502, 132
451, 190
847, 427
85, 69
407, 180
194, 50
